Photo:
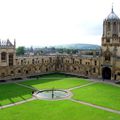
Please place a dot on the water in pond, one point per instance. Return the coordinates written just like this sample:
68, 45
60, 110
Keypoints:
52, 94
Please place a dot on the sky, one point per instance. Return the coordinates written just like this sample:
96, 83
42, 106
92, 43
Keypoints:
52, 22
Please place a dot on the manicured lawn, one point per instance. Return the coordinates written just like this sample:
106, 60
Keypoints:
51, 82
55, 110
99, 94
10, 93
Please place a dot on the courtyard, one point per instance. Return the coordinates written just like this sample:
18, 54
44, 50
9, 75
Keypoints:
91, 99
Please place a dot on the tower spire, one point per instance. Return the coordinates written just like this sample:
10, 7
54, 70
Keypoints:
112, 8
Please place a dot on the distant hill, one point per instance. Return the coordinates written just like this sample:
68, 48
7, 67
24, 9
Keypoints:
79, 46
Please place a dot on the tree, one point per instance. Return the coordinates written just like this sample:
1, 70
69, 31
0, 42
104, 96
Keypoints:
20, 50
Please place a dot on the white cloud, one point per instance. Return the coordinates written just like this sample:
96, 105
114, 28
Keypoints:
50, 22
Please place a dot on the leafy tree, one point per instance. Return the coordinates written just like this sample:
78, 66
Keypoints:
20, 50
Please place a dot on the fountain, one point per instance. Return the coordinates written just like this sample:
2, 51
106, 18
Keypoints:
52, 94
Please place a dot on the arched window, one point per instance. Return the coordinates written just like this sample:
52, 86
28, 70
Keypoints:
107, 57
108, 26
33, 61
94, 70
114, 27
19, 71
3, 56
11, 60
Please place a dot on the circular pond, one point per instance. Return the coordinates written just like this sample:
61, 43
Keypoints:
52, 94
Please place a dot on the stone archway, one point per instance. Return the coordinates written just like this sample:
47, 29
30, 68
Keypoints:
106, 73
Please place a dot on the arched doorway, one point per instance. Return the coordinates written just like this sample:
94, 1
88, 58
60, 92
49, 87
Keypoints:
106, 73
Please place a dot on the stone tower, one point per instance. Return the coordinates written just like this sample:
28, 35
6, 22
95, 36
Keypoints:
110, 47
7, 57
7, 53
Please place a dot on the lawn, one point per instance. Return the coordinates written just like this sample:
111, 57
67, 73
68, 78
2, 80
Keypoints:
10, 93
53, 82
55, 110
100, 94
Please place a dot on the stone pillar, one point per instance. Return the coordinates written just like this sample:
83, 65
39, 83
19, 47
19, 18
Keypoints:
7, 59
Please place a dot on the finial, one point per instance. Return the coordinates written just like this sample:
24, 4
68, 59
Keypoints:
112, 8
14, 42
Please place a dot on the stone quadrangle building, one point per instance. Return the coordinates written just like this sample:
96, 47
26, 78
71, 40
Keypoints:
105, 65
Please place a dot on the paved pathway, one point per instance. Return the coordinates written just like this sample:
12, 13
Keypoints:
105, 81
110, 83
17, 103
83, 85
26, 86
96, 106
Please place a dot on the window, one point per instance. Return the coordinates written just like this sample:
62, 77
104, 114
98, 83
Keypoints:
107, 40
11, 60
108, 26
12, 72
75, 68
42, 60
2, 74
50, 59
26, 71
119, 73
73, 60
95, 62
19, 71
21, 62
114, 27
33, 61
3, 56
94, 70
80, 61
107, 57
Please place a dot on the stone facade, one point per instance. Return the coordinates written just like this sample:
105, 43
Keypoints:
105, 65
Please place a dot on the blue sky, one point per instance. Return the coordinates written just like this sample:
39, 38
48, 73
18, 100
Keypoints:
52, 22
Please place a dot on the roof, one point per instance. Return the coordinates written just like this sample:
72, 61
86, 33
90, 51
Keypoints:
112, 16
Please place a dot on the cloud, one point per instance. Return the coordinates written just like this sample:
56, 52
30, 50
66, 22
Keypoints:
45, 22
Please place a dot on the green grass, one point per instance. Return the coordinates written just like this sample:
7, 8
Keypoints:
61, 83
55, 110
10, 93
99, 94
